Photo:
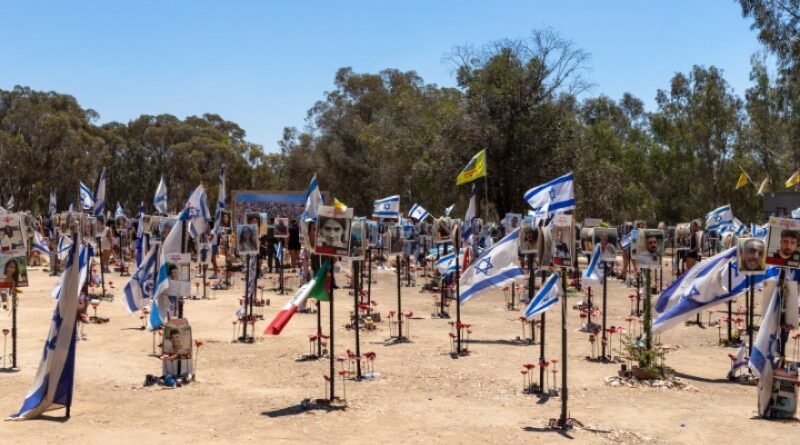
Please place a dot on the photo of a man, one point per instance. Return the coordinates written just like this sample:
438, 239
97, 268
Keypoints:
563, 241
178, 341
752, 253
784, 238
607, 239
528, 237
650, 249
443, 229
396, 240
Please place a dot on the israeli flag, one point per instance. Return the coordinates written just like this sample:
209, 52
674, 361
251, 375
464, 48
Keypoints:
494, 268
466, 231
719, 218
84, 268
279, 252
625, 242
670, 296
87, 197
448, 210
418, 212
39, 243
759, 231
139, 289
100, 196
558, 195
222, 203
765, 350
313, 200
160, 198
119, 213
447, 264
53, 383
740, 361
593, 275
387, 207
197, 212
545, 297
51, 208
711, 289
64, 243
139, 249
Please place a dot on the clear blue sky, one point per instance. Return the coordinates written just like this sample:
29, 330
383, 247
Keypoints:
264, 64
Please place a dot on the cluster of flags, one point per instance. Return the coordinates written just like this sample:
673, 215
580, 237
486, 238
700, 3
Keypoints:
763, 187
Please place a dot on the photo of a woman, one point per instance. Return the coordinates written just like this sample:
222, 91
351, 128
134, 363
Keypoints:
246, 239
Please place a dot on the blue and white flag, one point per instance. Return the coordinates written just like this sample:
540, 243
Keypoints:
64, 243
739, 361
387, 207
545, 297
119, 213
279, 252
222, 203
10, 203
418, 212
447, 264
83, 264
765, 350
494, 268
558, 195
759, 231
739, 228
160, 198
313, 200
139, 248
719, 218
39, 243
197, 212
670, 296
796, 213
87, 197
51, 208
711, 289
593, 275
100, 196
625, 242
448, 210
53, 383
139, 289
466, 231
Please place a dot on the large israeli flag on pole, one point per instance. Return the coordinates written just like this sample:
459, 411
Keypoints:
418, 212
593, 275
545, 297
87, 197
53, 383
139, 289
100, 196
670, 296
160, 198
222, 203
494, 268
387, 207
719, 218
765, 350
313, 200
197, 211
558, 195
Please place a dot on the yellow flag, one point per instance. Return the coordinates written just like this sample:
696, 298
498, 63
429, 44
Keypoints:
794, 180
476, 168
742, 181
764, 187
339, 204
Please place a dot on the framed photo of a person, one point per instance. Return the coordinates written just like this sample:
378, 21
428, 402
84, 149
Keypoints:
783, 243
255, 218
282, 227
247, 239
177, 345
13, 271
442, 229
587, 240
225, 219
166, 225
589, 223
606, 238
155, 227
146, 224
179, 269
358, 240
752, 255
12, 238
333, 231
563, 241
99, 226
650, 248
204, 253
395, 238
512, 221
528, 237
372, 230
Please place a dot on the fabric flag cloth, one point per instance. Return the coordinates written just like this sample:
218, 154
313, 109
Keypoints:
313, 200
759, 231
64, 243
84, 269
466, 232
710, 290
418, 212
739, 361
222, 203
742, 181
593, 275
279, 252
100, 196
198, 213
339, 204
10, 203
160, 198
172, 244
119, 213
387, 207
765, 350
53, 383
558, 195
139, 289
545, 297
670, 296
446, 265
763, 188
315, 288
87, 198
39, 244
494, 268
793, 180
475, 168
719, 218
51, 208
796, 213
448, 210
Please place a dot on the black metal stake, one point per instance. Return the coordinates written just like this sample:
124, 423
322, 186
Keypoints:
564, 389
246, 291
102, 272
730, 308
14, 304
605, 302
541, 345
458, 297
531, 294
399, 303
331, 355
750, 315
356, 289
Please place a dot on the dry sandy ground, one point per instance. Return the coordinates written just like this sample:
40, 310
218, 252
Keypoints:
248, 393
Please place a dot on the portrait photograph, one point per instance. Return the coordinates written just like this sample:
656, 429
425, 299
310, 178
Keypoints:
587, 240
563, 241
179, 270
752, 255
395, 240
166, 225
204, 253
154, 227
255, 219
511, 222
606, 238
783, 241
528, 238
225, 219
12, 240
247, 239
358, 240
333, 231
282, 227
442, 230
176, 347
13, 271
649, 248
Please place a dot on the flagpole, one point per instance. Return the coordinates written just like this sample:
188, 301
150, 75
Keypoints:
331, 356
486, 197
605, 302
750, 313
541, 336
399, 302
458, 292
562, 421
14, 305
531, 294
356, 289
319, 315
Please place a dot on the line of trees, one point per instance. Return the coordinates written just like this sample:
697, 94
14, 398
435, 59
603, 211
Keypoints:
377, 134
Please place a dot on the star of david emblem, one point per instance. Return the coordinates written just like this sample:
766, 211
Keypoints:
484, 266
386, 206
717, 218
552, 194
